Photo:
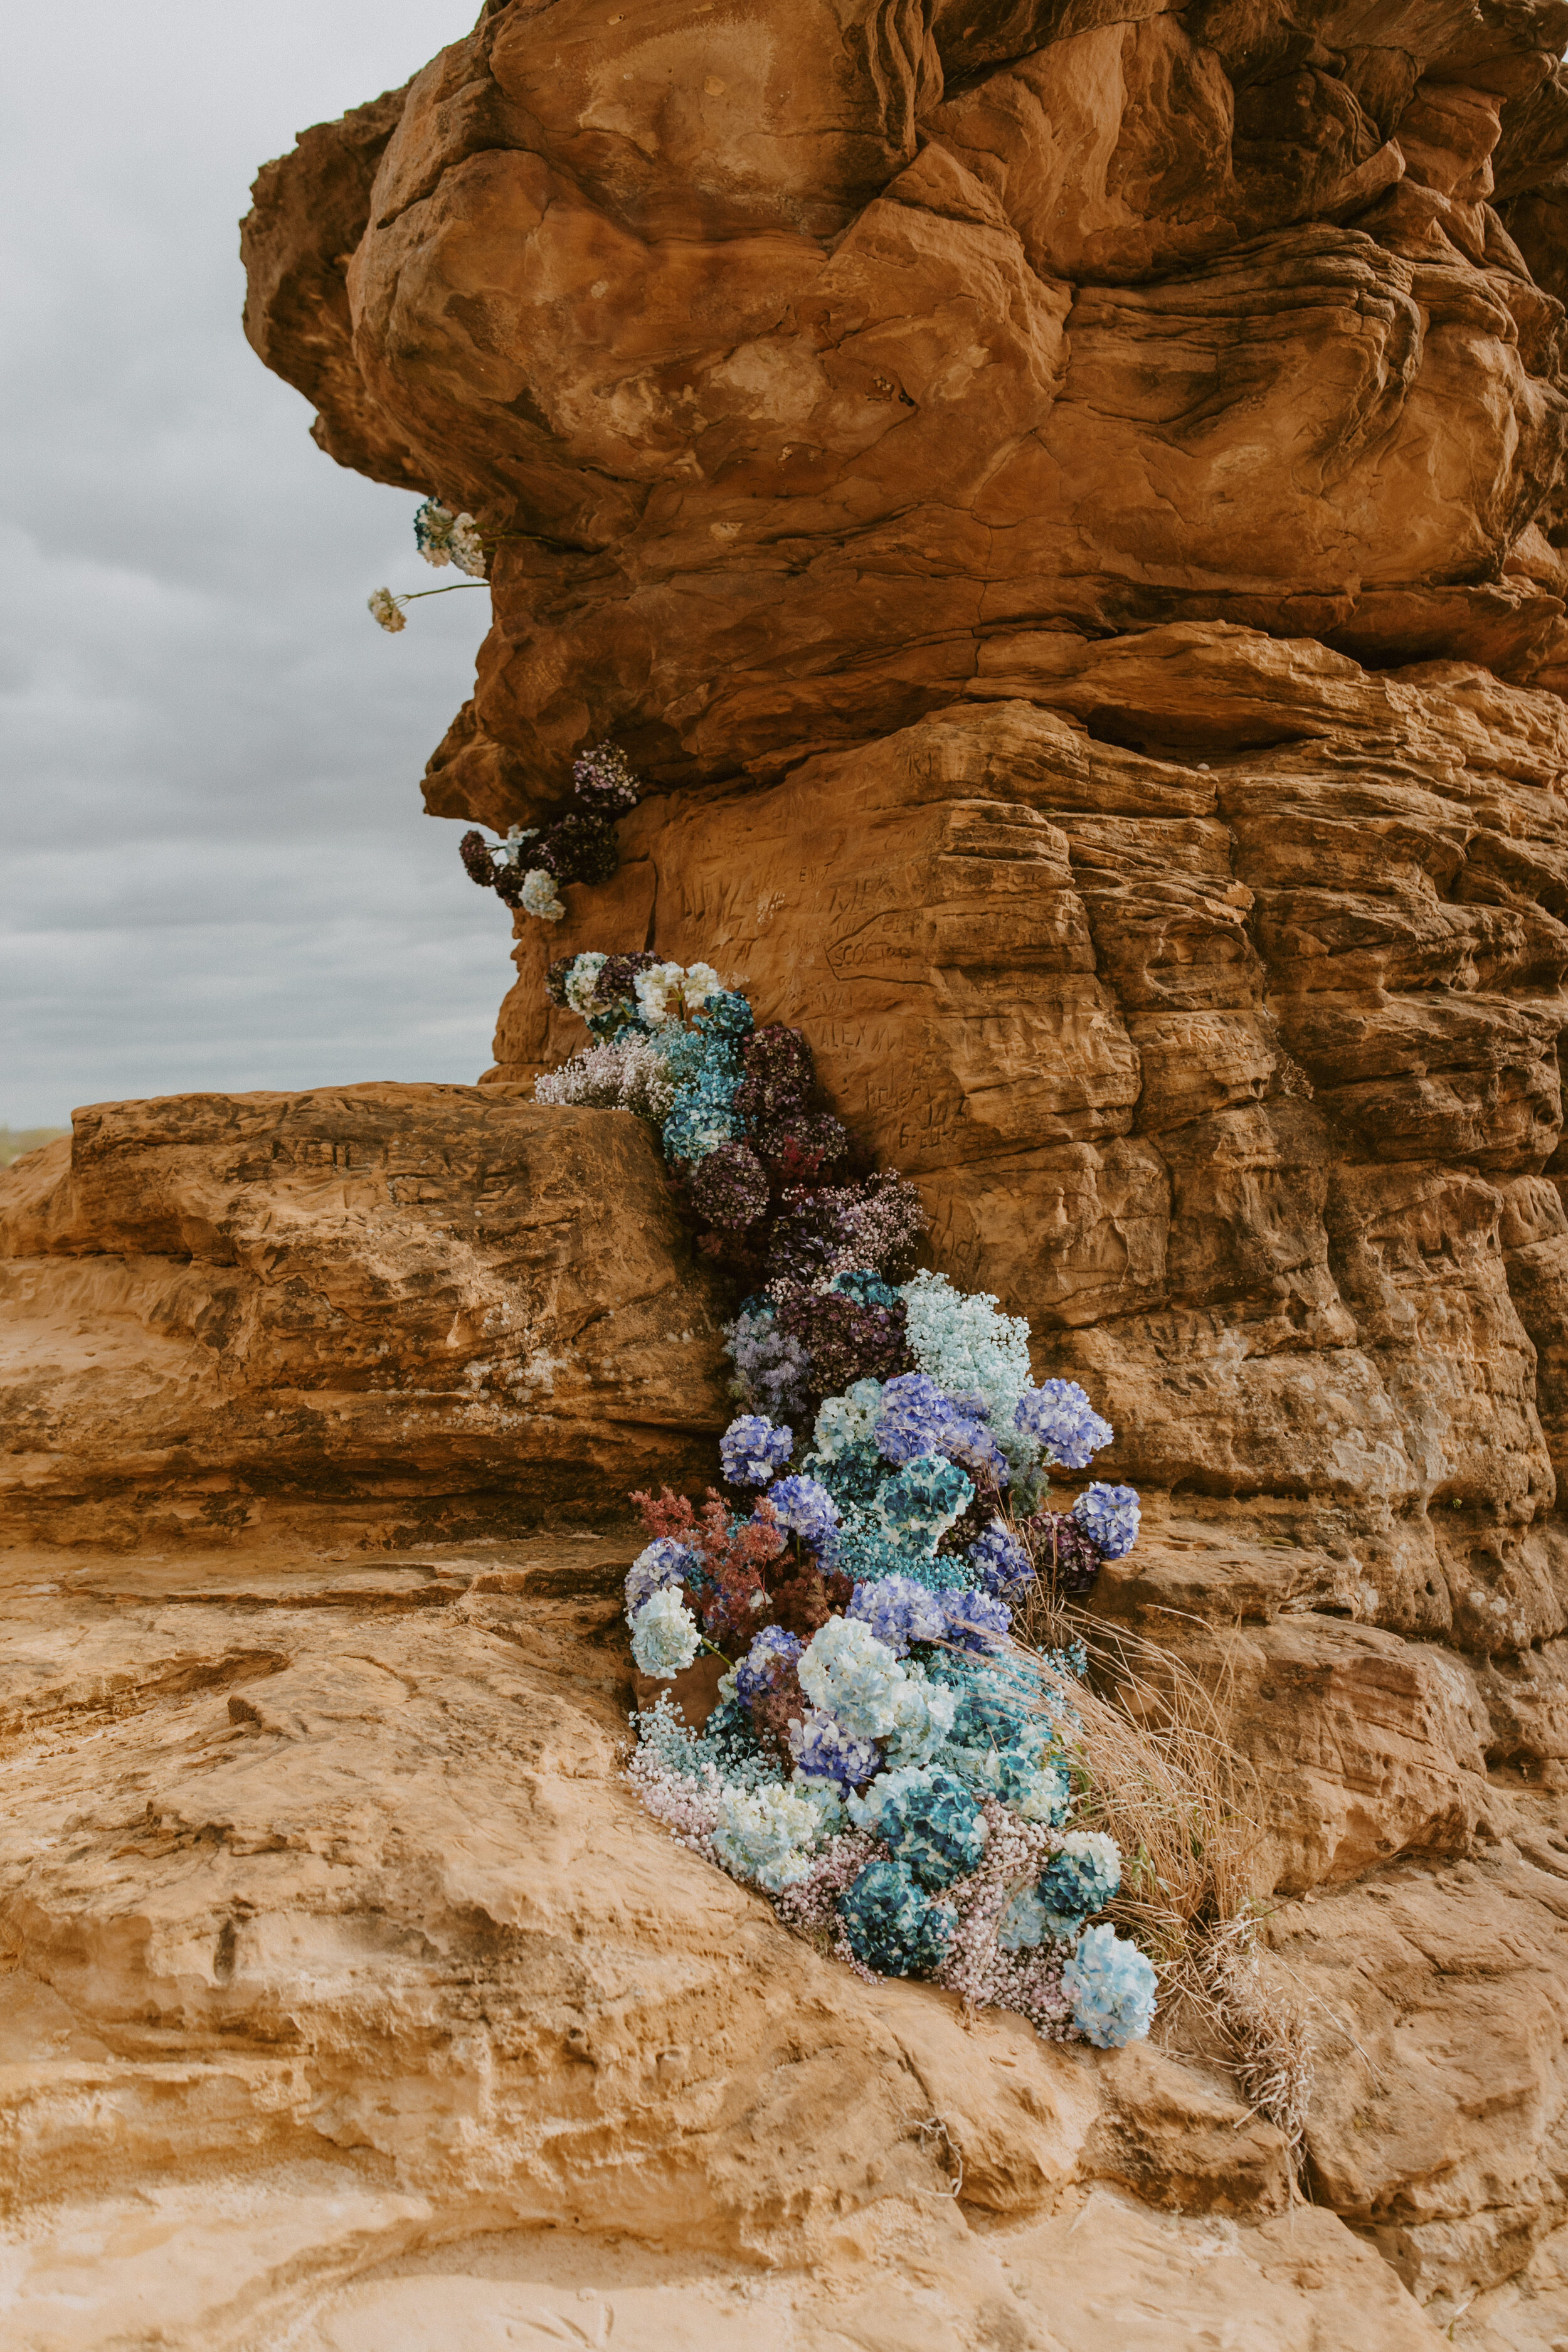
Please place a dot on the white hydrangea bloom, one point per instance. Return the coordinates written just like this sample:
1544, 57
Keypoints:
384, 608
845, 1420
922, 1717
847, 1673
766, 1834
663, 1634
658, 993
582, 978
701, 982
824, 1799
467, 548
540, 896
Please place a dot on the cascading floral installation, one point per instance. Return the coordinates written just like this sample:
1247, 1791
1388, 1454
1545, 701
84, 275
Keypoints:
882, 1759
527, 869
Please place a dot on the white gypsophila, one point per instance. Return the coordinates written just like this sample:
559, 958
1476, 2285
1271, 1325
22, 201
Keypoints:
767, 1834
658, 993
665, 1638
540, 896
384, 608
845, 1420
467, 548
847, 1673
701, 982
582, 979
618, 1075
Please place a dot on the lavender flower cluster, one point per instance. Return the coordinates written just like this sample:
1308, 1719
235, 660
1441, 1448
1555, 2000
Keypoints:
882, 1760
530, 866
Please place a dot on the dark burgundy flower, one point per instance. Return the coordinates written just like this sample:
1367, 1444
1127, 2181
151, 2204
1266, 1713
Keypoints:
1066, 1561
778, 1078
811, 1144
618, 980
577, 848
729, 1188
475, 851
509, 880
845, 1341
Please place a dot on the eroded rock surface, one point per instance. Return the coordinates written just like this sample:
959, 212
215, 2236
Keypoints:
400, 1308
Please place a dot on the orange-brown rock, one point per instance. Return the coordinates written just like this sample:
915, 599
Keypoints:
404, 1309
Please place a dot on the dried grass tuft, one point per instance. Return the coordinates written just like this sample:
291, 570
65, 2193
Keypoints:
1156, 1771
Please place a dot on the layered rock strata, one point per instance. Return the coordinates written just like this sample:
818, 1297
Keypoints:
398, 1311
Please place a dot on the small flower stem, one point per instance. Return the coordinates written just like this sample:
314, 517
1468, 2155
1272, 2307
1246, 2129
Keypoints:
414, 593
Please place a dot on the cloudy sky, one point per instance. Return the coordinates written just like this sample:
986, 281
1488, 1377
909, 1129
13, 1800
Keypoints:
216, 870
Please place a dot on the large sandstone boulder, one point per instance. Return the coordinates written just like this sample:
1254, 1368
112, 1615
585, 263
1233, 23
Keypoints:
406, 1308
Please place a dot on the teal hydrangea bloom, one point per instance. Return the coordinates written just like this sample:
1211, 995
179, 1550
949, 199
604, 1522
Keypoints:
930, 1820
1111, 1984
696, 1126
893, 1925
728, 1011
922, 1501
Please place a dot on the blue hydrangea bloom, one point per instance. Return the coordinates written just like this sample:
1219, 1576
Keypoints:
999, 1560
1062, 1421
1108, 1518
934, 1827
922, 1501
975, 1621
697, 1126
663, 1561
753, 1448
727, 1010
823, 1750
772, 1642
893, 1925
1080, 1880
918, 1418
1111, 1984
704, 1062
849, 1422
851, 1477
900, 1612
806, 1505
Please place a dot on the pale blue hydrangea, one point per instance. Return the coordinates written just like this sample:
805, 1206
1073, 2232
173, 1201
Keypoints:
847, 1420
824, 1750
966, 1345
663, 1561
767, 1834
999, 1560
922, 1501
1062, 1422
806, 1506
922, 1714
900, 1612
663, 1634
433, 524
847, 1673
917, 1417
772, 1645
583, 974
1108, 1518
1111, 1986
752, 1449
540, 898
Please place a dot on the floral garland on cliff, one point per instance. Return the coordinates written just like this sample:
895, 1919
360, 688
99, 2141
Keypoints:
881, 1759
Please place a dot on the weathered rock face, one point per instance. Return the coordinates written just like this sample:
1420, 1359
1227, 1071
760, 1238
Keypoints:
809, 366
391, 1309
1066, 514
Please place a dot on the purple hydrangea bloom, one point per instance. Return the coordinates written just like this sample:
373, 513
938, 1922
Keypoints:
772, 1643
806, 1505
900, 1612
999, 1559
751, 1450
919, 1418
1108, 1518
1063, 1423
975, 1621
824, 1750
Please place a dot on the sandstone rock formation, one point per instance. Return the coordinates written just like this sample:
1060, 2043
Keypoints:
400, 1309
1066, 511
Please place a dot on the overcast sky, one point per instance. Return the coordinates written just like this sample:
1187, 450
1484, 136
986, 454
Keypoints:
217, 872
